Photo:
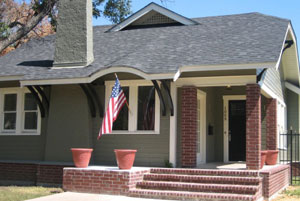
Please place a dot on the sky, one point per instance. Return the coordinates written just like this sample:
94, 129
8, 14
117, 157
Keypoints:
289, 9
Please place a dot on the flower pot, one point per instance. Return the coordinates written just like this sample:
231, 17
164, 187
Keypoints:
272, 157
125, 158
81, 157
263, 158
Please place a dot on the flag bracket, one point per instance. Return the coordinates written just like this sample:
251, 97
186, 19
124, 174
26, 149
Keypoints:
162, 101
38, 100
89, 99
169, 97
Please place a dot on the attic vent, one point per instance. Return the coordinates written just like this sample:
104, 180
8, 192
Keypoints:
152, 19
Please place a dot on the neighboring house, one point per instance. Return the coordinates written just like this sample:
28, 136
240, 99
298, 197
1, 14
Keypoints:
212, 89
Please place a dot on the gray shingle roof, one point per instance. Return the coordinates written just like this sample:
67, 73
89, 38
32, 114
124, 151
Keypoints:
233, 39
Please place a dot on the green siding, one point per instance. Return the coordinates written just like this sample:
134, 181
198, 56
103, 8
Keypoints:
272, 79
69, 123
292, 111
152, 150
23, 147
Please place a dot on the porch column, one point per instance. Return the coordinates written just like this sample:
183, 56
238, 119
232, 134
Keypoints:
189, 127
253, 126
271, 121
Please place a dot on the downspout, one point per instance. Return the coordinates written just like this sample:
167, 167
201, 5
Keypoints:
289, 44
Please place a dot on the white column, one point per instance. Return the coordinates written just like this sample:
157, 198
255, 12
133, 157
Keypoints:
173, 126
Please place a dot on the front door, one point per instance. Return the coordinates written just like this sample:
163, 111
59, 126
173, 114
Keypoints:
237, 130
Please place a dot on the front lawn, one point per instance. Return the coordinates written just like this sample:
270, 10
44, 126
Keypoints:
14, 193
292, 193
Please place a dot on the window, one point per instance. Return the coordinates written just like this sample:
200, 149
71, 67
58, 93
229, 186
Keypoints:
146, 108
122, 121
10, 111
144, 114
19, 112
30, 112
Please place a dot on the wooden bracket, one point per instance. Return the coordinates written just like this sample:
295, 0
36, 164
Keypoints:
162, 102
38, 100
89, 99
170, 101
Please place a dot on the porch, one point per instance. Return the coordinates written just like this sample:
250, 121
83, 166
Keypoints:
227, 181
222, 124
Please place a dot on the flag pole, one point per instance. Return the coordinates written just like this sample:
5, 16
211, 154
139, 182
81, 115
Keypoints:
126, 99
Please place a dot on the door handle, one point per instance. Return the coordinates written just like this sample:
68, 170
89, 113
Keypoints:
229, 136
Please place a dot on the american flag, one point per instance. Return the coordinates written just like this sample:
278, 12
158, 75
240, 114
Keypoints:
115, 104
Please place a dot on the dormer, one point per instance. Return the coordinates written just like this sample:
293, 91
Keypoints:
152, 15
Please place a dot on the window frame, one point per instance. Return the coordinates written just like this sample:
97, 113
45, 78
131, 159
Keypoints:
133, 105
20, 116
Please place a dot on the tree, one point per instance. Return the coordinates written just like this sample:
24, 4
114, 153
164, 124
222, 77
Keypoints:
14, 14
21, 21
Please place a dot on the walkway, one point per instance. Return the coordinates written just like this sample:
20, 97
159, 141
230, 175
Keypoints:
69, 196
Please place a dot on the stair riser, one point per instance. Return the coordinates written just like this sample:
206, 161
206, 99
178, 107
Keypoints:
210, 180
245, 191
194, 197
205, 172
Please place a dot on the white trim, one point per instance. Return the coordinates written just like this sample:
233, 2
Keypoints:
201, 158
133, 105
173, 127
199, 68
296, 48
147, 9
10, 78
19, 131
123, 69
226, 100
98, 74
267, 92
282, 47
217, 81
292, 87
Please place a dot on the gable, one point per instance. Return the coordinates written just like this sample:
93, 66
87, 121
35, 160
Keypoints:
152, 19
150, 16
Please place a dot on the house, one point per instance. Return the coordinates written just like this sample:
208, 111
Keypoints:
212, 89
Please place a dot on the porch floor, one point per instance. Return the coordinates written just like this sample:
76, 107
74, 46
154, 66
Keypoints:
229, 166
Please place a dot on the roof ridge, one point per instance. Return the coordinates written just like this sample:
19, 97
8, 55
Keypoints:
242, 14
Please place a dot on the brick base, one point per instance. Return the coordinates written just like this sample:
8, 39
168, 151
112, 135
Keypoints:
102, 180
31, 174
274, 180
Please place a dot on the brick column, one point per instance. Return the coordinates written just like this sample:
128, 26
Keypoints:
271, 119
253, 126
189, 127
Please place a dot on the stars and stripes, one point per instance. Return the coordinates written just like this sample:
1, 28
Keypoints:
115, 104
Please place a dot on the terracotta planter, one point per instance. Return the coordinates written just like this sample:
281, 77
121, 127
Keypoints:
263, 158
272, 157
125, 158
81, 157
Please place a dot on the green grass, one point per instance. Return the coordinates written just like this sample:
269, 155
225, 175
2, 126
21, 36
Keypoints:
293, 192
297, 183
14, 193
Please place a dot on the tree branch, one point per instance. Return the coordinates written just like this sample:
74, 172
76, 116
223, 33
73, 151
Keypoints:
29, 26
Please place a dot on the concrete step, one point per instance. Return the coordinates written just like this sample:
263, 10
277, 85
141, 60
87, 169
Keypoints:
203, 179
184, 195
240, 173
198, 187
